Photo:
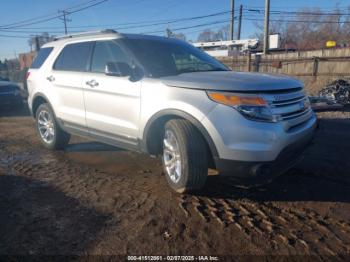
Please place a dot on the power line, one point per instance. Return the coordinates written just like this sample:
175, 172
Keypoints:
44, 16
201, 30
14, 36
142, 23
165, 22
280, 12
298, 21
310, 19
21, 24
188, 27
298, 8
175, 20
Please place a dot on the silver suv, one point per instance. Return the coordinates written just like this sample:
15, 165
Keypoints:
165, 97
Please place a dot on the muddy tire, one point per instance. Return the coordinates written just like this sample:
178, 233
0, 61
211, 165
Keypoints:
50, 133
185, 158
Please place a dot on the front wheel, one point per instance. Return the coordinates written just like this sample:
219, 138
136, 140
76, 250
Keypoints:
184, 156
50, 134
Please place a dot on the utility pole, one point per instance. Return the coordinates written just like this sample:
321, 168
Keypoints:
65, 21
266, 28
37, 44
232, 19
240, 22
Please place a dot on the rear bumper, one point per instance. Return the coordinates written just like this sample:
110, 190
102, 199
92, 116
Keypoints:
265, 170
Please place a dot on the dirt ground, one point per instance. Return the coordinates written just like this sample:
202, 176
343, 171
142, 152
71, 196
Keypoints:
96, 199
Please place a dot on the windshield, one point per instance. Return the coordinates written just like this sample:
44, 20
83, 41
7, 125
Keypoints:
167, 58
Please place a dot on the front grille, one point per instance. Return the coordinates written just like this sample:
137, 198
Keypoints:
288, 101
292, 107
295, 114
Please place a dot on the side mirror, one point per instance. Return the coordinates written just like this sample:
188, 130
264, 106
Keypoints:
118, 69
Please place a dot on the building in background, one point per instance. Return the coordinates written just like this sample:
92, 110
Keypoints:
226, 48
26, 59
275, 41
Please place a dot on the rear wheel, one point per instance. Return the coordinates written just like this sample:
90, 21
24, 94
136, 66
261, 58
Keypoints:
184, 156
50, 134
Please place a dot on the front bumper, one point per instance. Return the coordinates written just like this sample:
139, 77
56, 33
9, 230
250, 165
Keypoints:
265, 171
256, 149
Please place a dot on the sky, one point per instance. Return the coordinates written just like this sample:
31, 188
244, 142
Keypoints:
115, 13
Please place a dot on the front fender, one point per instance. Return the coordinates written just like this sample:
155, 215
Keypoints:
171, 113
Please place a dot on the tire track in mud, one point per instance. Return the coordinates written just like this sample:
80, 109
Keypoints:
75, 179
298, 230
125, 200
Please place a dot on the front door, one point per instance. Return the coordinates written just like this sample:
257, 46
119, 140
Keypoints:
112, 103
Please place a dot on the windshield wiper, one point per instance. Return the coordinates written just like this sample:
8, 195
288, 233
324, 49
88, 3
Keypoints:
213, 69
198, 70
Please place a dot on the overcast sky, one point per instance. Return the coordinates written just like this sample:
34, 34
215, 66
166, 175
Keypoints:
114, 13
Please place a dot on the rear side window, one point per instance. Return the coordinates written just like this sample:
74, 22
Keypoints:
41, 57
74, 57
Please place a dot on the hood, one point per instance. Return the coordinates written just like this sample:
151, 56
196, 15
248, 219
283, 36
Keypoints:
232, 81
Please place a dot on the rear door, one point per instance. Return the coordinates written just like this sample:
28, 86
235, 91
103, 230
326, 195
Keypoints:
66, 78
112, 103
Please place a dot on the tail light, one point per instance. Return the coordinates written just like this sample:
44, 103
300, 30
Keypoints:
27, 75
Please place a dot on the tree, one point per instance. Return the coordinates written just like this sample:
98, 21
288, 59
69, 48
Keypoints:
180, 36
1, 65
311, 31
42, 39
209, 35
11, 64
171, 34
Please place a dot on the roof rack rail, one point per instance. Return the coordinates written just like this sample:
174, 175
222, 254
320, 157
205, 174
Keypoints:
87, 33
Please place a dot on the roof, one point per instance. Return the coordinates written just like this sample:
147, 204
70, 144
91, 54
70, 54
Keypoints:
98, 35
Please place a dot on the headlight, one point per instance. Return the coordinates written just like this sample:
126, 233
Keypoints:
251, 106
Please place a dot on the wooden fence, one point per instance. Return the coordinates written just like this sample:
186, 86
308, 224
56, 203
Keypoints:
315, 68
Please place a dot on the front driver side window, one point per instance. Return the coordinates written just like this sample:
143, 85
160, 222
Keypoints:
106, 52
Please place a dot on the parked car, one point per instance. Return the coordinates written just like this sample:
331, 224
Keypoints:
166, 97
10, 94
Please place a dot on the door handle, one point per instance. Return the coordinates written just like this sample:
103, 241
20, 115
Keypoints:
92, 83
50, 78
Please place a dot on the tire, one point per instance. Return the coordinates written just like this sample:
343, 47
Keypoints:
56, 138
185, 156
